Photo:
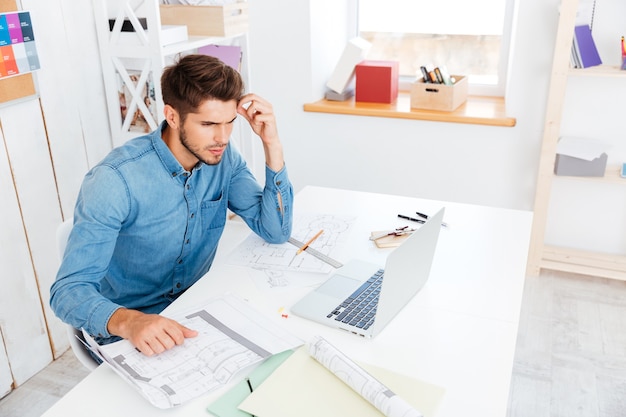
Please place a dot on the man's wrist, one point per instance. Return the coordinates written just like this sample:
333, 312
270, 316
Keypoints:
118, 320
274, 156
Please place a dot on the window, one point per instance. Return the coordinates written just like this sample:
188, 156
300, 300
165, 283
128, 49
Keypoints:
469, 38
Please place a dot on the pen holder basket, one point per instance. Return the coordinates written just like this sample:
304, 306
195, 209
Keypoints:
430, 96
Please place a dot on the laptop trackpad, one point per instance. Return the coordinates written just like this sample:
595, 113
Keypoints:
338, 285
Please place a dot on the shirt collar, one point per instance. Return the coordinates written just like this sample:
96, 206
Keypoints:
170, 163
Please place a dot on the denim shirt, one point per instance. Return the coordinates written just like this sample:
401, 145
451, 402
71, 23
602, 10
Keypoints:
145, 229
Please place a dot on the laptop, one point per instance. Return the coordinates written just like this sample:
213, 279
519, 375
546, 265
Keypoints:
405, 272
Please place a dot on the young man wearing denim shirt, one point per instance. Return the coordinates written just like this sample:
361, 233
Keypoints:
148, 218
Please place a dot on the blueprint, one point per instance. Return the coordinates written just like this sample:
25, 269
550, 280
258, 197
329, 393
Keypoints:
232, 337
276, 264
377, 394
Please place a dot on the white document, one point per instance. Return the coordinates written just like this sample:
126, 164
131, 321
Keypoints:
315, 391
377, 394
232, 337
280, 266
581, 148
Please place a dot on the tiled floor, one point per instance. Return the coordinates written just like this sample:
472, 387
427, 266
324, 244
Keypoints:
570, 358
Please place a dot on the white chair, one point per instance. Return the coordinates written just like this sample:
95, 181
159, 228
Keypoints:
81, 352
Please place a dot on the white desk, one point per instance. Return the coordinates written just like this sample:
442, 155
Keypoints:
464, 322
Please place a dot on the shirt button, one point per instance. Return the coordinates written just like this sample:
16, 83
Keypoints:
187, 241
178, 285
192, 215
188, 186
174, 174
180, 261
278, 182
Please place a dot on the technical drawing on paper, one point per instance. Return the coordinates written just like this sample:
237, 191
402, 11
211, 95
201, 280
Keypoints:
274, 260
377, 394
224, 346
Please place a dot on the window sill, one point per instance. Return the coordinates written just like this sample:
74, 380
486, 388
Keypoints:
477, 110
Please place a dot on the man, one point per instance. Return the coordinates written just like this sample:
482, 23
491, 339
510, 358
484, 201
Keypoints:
149, 216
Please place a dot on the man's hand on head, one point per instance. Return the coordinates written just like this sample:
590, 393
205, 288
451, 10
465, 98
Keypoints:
150, 333
260, 114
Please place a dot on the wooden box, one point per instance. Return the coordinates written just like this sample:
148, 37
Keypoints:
429, 96
227, 20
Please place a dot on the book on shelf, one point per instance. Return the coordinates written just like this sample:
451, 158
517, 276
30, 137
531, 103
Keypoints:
584, 51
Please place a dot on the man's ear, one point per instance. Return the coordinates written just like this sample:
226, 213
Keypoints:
171, 116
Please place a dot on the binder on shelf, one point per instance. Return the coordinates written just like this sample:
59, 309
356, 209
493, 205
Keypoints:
231, 55
585, 49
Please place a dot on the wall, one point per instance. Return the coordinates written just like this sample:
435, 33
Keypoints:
494, 166
475, 164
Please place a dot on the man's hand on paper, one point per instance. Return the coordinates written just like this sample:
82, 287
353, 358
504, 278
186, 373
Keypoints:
150, 333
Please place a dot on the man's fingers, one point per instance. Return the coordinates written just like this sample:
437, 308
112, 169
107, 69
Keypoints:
187, 332
145, 348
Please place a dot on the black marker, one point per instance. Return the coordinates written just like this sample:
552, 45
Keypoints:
413, 219
425, 216
425, 74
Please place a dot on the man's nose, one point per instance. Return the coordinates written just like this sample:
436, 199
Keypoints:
221, 135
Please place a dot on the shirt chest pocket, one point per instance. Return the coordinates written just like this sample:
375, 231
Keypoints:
213, 213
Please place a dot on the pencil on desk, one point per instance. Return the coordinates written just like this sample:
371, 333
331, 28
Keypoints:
306, 245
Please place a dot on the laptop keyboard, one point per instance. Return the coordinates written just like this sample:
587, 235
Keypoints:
359, 309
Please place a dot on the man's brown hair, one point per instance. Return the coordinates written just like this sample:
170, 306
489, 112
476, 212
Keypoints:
196, 78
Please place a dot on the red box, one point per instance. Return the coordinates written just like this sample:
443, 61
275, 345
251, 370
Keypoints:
377, 81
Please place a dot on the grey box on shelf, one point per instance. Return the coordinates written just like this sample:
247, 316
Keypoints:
578, 167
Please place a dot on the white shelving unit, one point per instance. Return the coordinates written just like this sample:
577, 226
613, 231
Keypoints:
541, 255
143, 54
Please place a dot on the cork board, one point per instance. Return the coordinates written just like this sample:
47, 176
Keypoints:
19, 86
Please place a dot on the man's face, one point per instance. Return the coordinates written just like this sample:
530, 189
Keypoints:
205, 134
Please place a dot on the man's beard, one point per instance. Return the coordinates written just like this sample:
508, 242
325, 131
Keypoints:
195, 152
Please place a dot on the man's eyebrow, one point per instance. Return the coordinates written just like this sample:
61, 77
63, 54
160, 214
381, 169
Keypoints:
209, 122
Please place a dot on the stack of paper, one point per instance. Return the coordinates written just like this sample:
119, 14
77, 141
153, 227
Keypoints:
232, 337
300, 385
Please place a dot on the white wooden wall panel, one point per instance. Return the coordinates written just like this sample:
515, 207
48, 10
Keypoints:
71, 91
21, 317
89, 90
6, 379
28, 152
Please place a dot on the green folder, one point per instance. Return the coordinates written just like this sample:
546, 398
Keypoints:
226, 405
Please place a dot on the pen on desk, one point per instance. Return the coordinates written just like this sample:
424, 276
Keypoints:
251, 390
306, 245
413, 219
425, 216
